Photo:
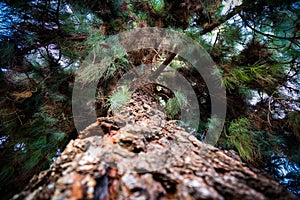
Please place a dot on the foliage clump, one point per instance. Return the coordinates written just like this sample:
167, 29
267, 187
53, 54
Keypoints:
175, 104
118, 99
242, 137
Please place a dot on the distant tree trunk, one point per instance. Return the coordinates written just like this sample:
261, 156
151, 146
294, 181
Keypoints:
138, 154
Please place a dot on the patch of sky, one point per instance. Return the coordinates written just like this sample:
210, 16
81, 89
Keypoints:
20, 147
57, 154
296, 5
38, 57
284, 170
3, 139
6, 21
229, 5
256, 97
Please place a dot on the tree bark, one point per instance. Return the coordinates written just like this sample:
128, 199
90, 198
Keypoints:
138, 154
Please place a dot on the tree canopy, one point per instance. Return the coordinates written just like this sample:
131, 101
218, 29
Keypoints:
255, 45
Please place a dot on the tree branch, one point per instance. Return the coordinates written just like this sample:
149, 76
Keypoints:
266, 34
163, 65
221, 20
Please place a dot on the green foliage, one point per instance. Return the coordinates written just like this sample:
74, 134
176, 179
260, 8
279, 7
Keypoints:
293, 122
57, 97
241, 136
40, 143
252, 76
80, 23
94, 39
6, 173
231, 33
118, 99
78, 20
158, 5
248, 93
193, 33
182, 99
42, 49
7, 51
35, 127
228, 83
213, 125
176, 64
101, 62
174, 105
33, 160
57, 137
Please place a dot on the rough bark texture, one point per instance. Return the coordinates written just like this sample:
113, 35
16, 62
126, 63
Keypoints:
138, 154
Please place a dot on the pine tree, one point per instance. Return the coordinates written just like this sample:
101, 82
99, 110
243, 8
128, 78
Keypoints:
255, 45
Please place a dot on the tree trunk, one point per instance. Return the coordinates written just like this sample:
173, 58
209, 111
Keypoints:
138, 154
